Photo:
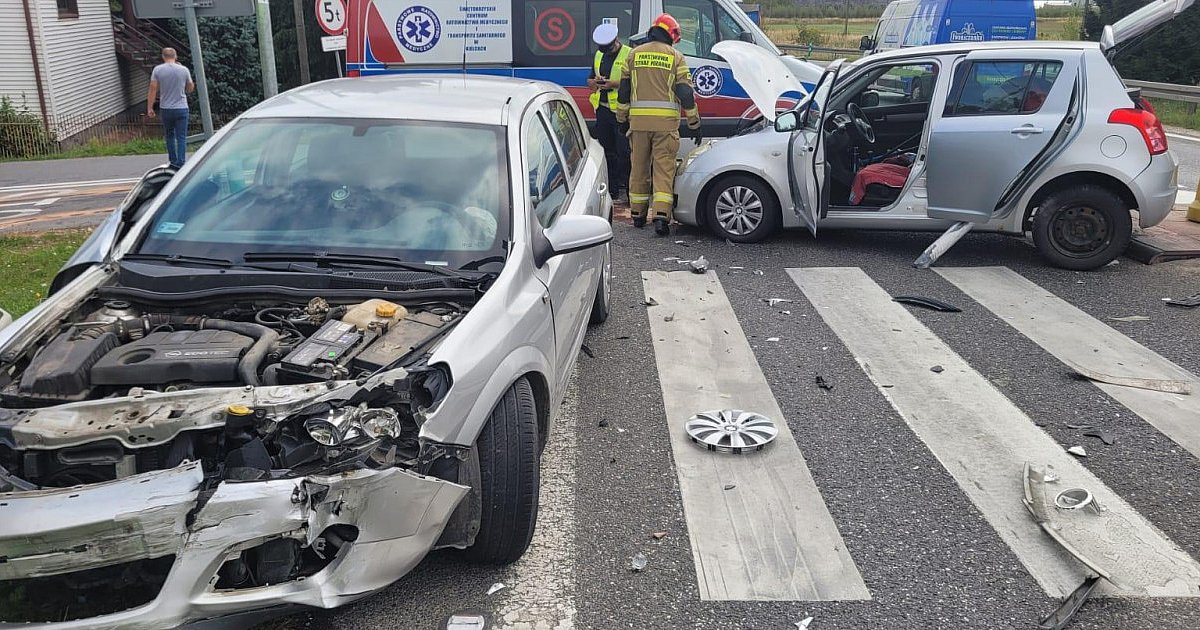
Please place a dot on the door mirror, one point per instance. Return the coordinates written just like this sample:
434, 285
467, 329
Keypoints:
570, 234
866, 43
870, 98
144, 191
5, 318
787, 122
746, 36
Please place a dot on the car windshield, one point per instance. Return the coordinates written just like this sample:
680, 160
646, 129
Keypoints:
424, 192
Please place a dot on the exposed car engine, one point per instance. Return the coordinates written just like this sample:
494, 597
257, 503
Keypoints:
129, 389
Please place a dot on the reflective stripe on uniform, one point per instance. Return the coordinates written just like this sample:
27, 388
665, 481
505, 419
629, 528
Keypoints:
636, 198
664, 197
663, 109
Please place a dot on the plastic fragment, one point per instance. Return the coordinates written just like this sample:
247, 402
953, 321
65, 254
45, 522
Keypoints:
670, 258
603, 423
823, 384
1130, 318
937, 369
669, 318
1102, 434
737, 268
588, 351
700, 265
803, 623
650, 302
776, 301
758, 272
495, 588
1188, 302
772, 338
1079, 426
730, 486
929, 303
638, 563
658, 535
1077, 451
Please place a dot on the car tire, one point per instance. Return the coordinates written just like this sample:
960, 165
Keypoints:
729, 209
1083, 227
600, 305
509, 459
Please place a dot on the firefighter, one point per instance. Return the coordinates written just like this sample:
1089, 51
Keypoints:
607, 68
655, 86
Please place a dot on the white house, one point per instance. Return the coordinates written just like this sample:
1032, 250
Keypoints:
74, 63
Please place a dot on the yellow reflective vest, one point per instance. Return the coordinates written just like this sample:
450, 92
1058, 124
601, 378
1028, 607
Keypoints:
614, 75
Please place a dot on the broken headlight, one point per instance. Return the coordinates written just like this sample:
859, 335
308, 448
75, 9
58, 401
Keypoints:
351, 425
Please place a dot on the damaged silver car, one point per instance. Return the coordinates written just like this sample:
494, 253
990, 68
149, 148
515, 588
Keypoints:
335, 340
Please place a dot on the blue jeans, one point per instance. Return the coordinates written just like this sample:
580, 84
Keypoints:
175, 127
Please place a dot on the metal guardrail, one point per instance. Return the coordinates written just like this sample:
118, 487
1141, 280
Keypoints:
1168, 91
808, 50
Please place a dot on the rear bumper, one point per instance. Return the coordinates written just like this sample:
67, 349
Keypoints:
1155, 189
399, 516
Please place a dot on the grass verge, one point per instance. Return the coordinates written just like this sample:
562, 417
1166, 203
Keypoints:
30, 262
1177, 113
99, 148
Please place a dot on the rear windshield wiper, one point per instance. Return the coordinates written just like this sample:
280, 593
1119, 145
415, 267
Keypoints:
329, 259
179, 259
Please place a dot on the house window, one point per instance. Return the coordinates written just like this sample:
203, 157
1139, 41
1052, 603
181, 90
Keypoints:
68, 8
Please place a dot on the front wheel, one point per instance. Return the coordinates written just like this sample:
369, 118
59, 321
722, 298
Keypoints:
742, 209
1082, 228
509, 458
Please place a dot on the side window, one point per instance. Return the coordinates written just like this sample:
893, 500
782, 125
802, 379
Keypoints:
699, 31
727, 27
566, 131
544, 171
899, 85
1000, 88
558, 33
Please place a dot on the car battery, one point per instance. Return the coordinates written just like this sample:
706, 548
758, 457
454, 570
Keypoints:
327, 345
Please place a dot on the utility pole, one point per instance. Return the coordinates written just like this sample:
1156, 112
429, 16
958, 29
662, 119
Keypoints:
193, 31
846, 24
301, 40
266, 48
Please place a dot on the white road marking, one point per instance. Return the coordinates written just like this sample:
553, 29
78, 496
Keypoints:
57, 185
984, 441
1185, 197
1179, 136
22, 212
541, 592
40, 202
1073, 336
770, 537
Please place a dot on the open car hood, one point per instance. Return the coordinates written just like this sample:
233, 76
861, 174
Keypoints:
764, 76
1140, 22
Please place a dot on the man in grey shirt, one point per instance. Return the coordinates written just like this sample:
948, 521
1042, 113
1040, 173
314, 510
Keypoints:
174, 83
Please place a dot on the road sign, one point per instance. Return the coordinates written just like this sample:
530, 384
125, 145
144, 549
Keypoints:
148, 9
331, 17
333, 42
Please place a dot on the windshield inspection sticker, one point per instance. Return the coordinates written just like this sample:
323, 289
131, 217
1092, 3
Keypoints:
170, 228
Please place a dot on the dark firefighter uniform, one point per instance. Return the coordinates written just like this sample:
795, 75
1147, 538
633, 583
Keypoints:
607, 68
655, 88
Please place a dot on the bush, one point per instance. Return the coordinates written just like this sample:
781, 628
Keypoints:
22, 132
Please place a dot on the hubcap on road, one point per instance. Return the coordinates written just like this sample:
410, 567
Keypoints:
739, 210
731, 430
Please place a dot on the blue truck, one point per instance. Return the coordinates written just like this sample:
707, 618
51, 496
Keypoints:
907, 23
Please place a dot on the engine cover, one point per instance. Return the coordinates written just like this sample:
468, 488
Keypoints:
198, 356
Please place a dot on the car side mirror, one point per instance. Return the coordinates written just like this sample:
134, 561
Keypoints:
787, 122
746, 36
570, 234
145, 190
870, 98
866, 43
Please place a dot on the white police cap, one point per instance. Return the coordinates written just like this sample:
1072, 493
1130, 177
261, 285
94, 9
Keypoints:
605, 34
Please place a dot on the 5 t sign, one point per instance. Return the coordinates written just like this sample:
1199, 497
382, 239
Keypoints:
331, 16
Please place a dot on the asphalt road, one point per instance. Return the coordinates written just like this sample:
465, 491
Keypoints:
1187, 153
54, 194
927, 555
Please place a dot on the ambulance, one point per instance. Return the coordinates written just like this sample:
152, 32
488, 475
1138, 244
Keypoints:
551, 40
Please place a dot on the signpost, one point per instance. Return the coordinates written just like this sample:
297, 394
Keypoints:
331, 17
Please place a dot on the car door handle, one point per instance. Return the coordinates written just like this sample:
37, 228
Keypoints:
1026, 130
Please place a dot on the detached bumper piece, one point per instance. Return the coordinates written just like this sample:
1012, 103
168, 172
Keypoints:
156, 550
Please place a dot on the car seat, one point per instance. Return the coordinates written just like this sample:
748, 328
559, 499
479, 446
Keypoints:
878, 185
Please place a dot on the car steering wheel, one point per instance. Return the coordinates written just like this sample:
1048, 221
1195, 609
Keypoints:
861, 123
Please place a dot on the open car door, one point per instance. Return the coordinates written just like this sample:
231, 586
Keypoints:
1011, 103
806, 149
1140, 22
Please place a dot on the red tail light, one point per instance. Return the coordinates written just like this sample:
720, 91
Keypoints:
1147, 123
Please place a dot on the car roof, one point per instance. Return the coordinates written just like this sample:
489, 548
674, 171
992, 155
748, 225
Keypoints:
436, 97
966, 47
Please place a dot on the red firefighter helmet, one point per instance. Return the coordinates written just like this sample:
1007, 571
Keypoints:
670, 25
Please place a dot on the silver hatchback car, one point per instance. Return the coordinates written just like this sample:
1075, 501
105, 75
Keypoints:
1011, 137
335, 340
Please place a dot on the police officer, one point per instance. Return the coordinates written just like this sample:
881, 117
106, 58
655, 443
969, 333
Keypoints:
655, 86
607, 68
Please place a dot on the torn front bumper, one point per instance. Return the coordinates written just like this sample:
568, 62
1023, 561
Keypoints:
399, 516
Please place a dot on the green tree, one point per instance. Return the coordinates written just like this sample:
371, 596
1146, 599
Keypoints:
1169, 55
